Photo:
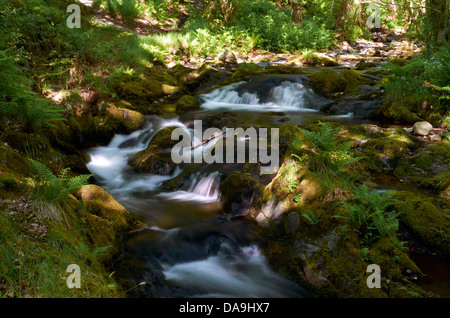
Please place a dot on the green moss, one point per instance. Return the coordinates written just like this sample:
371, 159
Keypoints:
426, 217
399, 111
236, 187
383, 150
399, 62
365, 65
107, 220
329, 83
126, 120
141, 91
187, 103
243, 70
153, 159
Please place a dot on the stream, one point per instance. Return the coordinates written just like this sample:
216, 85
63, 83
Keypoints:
189, 249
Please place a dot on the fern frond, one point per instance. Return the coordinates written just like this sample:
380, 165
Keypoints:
41, 171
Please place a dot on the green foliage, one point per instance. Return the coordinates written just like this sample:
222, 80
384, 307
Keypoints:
31, 268
329, 159
312, 218
51, 190
426, 77
17, 99
369, 215
327, 153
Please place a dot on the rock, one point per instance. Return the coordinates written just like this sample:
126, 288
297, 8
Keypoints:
293, 222
131, 120
227, 57
435, 138
107, 220
328, 83
187, 103
364, 65
422, 128
156, 157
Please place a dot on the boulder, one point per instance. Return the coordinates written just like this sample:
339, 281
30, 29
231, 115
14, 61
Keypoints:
187, 103
227, 57
422, 128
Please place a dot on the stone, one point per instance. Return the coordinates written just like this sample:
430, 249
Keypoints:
422, 128
227, 57
293, 222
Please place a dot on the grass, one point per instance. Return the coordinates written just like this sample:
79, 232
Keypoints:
35, 266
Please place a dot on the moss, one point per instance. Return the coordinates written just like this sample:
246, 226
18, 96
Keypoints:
107, 220
385, 150
141, 91
329, 83
236, 187
243, 70
153, 159
95, 130
399, 111
399, 62
8, 155
426, 217
126, 120
187, 103
365, 65
427, 168
193, 79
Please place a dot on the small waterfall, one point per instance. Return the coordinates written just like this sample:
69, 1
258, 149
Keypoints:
206, 186
201, 188
280, 95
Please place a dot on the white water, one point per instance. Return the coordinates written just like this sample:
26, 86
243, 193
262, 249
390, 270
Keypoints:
289, 96
232, 276
204, 189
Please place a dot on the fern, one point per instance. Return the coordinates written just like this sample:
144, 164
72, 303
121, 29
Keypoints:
370, 216
312, 217
50, 191
329, 160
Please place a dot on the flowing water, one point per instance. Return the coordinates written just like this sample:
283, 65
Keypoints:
189, 249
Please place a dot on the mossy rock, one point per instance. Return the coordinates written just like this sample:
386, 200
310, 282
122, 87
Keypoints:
236, 191
95, 130
141, 91
127, 120
427, 168
107, 220
365, 65
13, 162
243, 70
401, 111
427, 217
329, 83
194, 79
187, 103
399, 62
156, 158
390, 149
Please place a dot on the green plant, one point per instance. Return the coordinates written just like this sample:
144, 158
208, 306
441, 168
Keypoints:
365, 255
17, 100
312, 218
297, 198
370, 216
292, 183
50, 190
328, 159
